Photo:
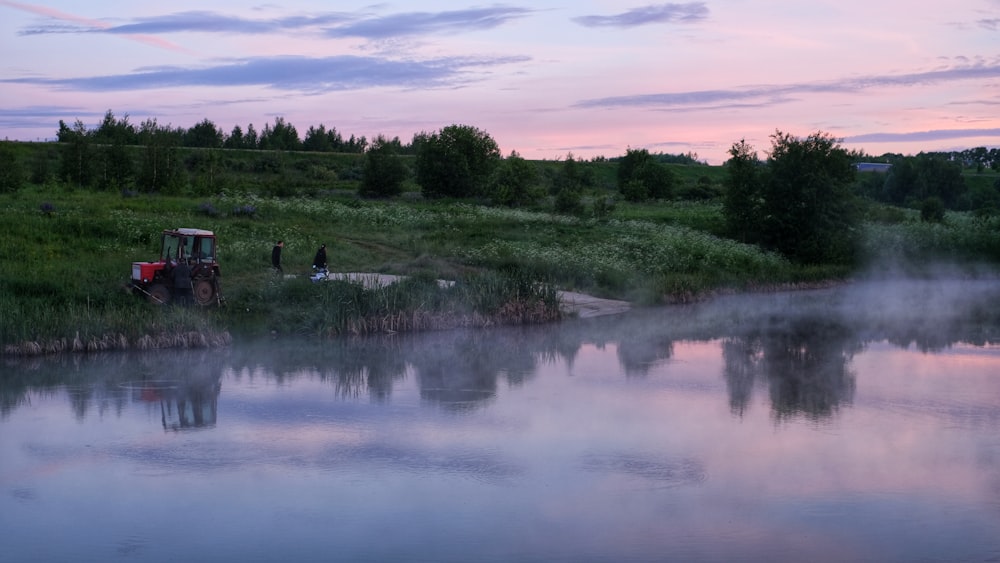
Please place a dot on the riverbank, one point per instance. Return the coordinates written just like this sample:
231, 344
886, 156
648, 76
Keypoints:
570, 304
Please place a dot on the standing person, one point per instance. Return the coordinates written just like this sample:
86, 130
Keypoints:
182, 283
276, 256
319, 262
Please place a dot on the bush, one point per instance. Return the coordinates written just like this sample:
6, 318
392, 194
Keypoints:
384, 171
11, 172
932, 210
457, 162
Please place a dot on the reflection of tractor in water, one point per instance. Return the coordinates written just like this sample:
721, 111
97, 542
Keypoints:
195, 246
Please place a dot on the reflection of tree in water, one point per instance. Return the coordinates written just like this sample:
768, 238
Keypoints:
355, 367
108, 381
460, 369
804, 365
742, 358
639, 354
803, 362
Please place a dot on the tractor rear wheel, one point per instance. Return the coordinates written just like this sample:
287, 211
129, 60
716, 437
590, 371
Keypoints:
159, 294
204, 292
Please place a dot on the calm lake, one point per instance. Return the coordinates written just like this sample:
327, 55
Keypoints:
859, 423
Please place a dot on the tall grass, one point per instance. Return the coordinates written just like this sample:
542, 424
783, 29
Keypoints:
331, 308
66, 259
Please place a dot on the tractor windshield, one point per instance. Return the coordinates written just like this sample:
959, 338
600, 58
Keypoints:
171, 246
203, 249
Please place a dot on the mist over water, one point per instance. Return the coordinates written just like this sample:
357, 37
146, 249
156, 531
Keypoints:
858, 422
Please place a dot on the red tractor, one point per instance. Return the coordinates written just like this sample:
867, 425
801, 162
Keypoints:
198, 248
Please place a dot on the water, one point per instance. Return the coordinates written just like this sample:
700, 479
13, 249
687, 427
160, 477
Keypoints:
852, 424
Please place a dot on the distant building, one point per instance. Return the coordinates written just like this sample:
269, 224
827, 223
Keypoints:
873, 167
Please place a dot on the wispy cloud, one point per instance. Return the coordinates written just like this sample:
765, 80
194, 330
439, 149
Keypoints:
991, 24
778, 93
646, 15
308, 74
77, 23
421, 23
331, 24
916, 136
211, 22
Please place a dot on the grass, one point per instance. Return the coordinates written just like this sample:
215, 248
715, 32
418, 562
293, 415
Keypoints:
66, 257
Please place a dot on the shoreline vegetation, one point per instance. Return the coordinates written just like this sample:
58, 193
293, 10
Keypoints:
67, 251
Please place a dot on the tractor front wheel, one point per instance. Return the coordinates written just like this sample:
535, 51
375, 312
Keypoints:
159, 294
204, 291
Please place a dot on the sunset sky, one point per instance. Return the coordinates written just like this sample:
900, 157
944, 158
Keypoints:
543, 78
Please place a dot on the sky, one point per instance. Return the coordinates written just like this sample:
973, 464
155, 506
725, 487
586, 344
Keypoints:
546, 79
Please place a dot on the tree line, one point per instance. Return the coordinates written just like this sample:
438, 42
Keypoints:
280, 135
804, 200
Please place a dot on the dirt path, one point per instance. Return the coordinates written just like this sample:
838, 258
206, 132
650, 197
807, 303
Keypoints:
572, 303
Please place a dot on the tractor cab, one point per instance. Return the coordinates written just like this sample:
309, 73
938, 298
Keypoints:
188, 244
195, 246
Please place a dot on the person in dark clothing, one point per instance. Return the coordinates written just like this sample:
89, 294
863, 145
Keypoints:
276, 256
182, 283
319, 262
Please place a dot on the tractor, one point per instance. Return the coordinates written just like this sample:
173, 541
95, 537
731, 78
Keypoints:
196, 246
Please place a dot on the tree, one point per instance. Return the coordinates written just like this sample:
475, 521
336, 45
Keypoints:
740, 205
913, 179
512, 180
161, 169
112, 130
384, 171
456, 162
77, 161
11, 170
640, 176
932, 210
800, 204
317, 140
204, 135
628, 164
116, 166
281, 137
809, 212
251, 140
235, 139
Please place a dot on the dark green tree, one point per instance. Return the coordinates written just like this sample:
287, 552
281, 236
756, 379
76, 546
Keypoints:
932, 210
808, 211
658, 179
251, 140
161, 169
205, 168
11, 170
235, 139
741, 202
800, 204
913, 179
384, 170
335, 140
317, 140
281, 137
456, 162
355, 144
512, 181
117, 169
77, 159
628, 164
113, 130
638, 165
204, 135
